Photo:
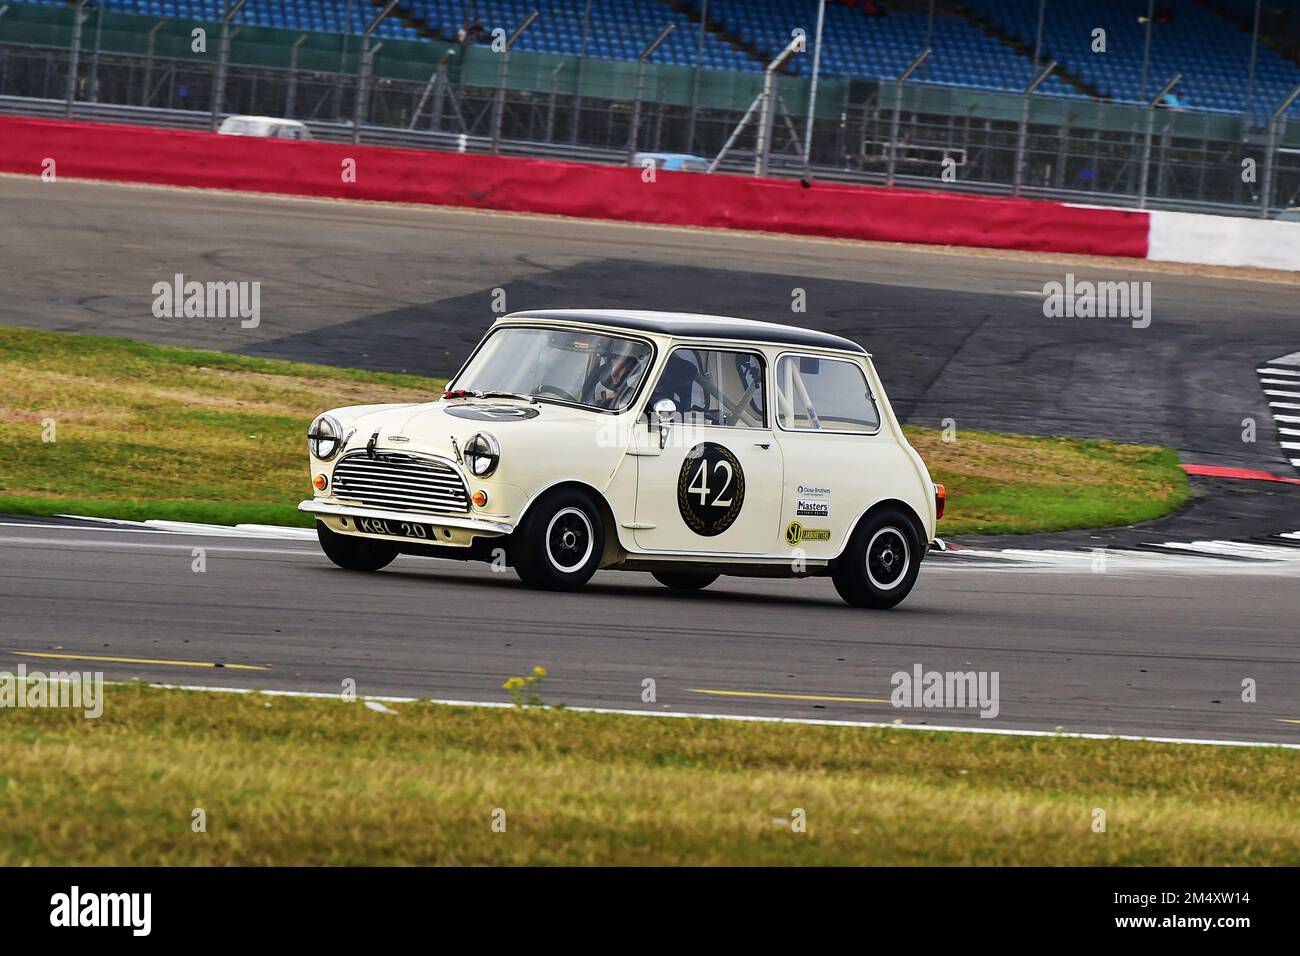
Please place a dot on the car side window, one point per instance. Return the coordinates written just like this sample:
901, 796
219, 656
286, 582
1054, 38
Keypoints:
714, 387
815, 393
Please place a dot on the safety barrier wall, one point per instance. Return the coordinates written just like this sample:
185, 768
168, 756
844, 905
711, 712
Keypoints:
185, 158
1225, 241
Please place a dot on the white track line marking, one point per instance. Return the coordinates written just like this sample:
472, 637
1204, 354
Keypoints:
1278, 371
76, 527
91, 544
746, 718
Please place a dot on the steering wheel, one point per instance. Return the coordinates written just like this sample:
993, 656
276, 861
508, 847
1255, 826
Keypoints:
553, 390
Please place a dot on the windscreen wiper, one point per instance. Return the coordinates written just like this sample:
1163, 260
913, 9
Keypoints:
480, 393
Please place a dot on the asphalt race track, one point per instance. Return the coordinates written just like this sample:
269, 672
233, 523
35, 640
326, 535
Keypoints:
1156, 654
1159, 650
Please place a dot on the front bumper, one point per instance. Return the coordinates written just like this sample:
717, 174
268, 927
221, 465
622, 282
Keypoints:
463, 527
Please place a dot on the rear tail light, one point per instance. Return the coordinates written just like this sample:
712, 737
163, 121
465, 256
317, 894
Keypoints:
940, 499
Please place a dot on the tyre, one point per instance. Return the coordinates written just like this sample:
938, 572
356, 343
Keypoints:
881, 562
354, 553
684, 580
558, 545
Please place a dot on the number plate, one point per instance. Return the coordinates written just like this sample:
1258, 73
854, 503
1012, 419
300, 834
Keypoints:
399, 529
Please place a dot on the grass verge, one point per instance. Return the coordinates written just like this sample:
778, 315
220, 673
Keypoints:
147, 431
310, 781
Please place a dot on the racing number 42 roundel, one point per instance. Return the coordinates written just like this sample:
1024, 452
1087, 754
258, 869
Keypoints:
710, 489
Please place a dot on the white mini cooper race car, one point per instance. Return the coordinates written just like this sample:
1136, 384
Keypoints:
688, 446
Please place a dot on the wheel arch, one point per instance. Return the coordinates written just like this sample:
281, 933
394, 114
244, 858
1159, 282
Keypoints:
613, 552
918, 524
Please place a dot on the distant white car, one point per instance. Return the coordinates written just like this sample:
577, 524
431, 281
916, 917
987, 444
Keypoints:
265, 126
687, 446
673, 162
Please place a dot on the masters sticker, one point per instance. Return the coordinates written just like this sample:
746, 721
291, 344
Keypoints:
812, 508
795, 533
710, 489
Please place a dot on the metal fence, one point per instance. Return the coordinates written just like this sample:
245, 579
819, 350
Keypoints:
870, 130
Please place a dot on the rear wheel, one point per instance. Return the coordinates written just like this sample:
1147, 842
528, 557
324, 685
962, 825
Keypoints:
559, 544
881, 562
354, 553
684, 580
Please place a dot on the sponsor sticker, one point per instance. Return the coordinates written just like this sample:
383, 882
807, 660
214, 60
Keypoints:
812, 508
796, 533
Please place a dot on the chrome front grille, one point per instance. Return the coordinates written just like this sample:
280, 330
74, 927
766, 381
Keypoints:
400, 483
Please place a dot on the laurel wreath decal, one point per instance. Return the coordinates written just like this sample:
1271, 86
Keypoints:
708, 520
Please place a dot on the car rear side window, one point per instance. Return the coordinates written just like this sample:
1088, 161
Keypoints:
820, 394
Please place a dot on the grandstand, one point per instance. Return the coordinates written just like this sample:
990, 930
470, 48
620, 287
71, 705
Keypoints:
1188, 37
979, 44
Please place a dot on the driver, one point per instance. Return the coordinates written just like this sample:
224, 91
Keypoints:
618, 374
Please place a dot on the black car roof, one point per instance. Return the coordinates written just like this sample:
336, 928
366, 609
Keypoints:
686, 325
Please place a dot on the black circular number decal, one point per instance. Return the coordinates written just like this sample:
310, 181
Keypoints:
710, 489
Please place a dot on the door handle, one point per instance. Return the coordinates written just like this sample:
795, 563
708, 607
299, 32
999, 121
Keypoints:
762, 444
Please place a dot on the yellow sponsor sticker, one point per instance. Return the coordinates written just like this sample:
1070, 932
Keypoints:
796, 533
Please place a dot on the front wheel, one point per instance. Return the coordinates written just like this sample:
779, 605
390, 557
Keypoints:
881, 562
559, 544
684, 580
354, 553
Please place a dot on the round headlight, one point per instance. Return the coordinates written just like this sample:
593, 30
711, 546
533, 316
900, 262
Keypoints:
482, 454
324, 437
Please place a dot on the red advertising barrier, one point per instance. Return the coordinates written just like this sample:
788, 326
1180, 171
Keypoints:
184, 158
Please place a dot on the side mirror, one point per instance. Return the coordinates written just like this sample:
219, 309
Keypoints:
665, 413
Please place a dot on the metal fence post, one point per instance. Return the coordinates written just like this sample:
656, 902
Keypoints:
1146, 145
898, 108
363, 74
94, 57
78, 16
550, 106
1276, 130
499, 105
223, 57
764, 144
437, 82
812, 88
147, 92
291, 96
695, 79
633, 133
1017, 176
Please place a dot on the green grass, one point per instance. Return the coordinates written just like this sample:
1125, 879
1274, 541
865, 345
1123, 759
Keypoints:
312, 781
147, 431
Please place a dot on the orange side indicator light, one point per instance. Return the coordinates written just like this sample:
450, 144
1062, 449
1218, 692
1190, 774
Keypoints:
320, 482
479, 498
940, 499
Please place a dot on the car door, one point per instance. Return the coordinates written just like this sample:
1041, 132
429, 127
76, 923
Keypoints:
829, 429
710, 479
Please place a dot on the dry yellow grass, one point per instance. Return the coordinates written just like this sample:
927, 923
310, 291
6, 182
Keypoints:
294, 781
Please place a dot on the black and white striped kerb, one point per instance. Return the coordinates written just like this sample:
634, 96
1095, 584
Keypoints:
1280, 380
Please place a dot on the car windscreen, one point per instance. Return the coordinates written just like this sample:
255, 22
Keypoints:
584, 368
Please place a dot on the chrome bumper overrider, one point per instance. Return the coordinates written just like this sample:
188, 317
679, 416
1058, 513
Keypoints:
476, 525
